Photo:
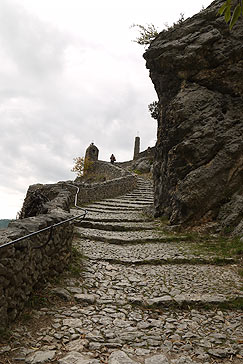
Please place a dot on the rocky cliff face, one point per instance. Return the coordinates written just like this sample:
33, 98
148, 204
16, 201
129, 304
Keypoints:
197, 71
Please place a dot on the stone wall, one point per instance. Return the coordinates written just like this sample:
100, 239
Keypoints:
30, 261
197, 71
108, 170
108, 189
25, 264
42, 199
118, 181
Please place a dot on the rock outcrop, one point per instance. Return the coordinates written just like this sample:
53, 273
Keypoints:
143, 162
197, 71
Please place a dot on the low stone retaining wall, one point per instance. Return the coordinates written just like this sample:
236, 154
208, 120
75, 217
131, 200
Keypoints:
118, 182
26, 263
108, 189
42, 199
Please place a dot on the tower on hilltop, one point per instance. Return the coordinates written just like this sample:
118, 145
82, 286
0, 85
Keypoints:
136, 147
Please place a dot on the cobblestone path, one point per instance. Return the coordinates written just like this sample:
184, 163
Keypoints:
145, 297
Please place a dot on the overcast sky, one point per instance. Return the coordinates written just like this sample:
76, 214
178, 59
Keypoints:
71, 75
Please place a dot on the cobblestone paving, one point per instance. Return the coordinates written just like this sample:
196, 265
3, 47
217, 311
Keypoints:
122, 237
118, 225
152, 284
141, 301
140, 253
121, 205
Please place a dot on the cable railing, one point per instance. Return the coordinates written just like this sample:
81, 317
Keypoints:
51, 227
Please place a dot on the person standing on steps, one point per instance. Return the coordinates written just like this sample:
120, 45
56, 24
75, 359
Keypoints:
113, 159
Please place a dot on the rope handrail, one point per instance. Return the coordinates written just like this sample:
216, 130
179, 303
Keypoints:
78, 217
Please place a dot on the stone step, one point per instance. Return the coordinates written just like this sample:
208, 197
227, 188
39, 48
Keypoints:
116, 226
122, 202
147, 336
119, 217
137, 196
127, 237
144, 187
114, 206
150, 253
138, 200
78, 333
144, 183
110, 210
116, 217
154, 286
147, 196
142, 190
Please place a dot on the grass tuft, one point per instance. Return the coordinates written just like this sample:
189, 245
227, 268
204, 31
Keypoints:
206, 244
76, 265
222, 246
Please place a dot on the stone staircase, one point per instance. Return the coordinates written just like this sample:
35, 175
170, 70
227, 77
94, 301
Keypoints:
149, 291
145, 296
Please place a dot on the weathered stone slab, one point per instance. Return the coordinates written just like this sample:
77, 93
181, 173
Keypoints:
62, 293
76, 345
119, 357
72, 322
85, 298
135, 237
77, 358
157, 359
40, 357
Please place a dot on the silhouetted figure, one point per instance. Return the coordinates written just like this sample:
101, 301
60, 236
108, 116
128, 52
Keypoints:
113, 159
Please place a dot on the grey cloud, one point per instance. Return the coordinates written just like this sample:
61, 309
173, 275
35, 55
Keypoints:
46, 119
36, 48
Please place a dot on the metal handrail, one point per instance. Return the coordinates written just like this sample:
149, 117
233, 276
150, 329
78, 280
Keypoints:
78, 217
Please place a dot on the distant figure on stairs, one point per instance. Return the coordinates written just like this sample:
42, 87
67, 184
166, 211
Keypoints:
113, 159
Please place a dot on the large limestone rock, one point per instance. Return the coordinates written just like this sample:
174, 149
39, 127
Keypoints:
197, 71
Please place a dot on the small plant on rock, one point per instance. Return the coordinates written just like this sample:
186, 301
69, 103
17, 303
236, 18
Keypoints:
232, 11
82, 166
78, 166
88, 166
154, 109
147, 34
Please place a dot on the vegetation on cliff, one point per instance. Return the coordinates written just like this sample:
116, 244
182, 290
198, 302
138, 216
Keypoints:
232, 11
